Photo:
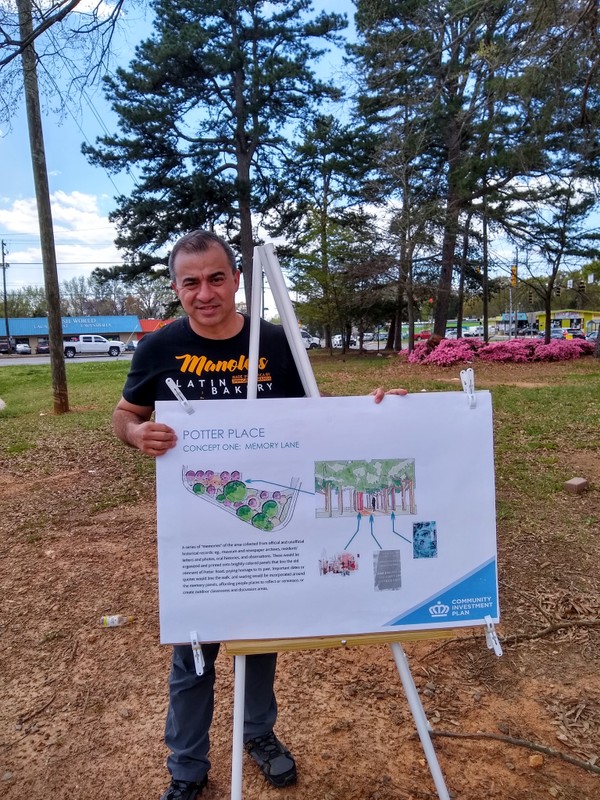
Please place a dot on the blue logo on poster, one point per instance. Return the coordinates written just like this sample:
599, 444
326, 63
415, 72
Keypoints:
471, 598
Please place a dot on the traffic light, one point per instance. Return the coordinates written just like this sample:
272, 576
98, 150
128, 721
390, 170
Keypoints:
557, 290
530, 297
581, 287
513, 276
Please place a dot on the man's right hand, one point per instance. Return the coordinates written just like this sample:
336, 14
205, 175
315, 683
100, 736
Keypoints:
152, 438
134, 426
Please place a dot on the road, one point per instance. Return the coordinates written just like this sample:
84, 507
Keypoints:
16, 360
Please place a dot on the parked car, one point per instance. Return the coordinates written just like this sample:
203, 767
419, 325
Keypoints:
7, 345
42, 349
310, 342
92, 344
592, 337
23, 349
337, 341
422, 334
452, 333
555, 333
130, 346
474, 330
574, 333
528, 331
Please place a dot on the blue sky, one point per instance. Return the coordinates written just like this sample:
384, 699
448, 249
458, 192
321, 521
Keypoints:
82, 195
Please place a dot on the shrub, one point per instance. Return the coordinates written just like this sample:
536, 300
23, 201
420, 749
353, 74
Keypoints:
559, 350
446, 353
519, 351
452, 351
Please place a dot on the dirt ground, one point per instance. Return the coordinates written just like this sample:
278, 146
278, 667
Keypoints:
83, 708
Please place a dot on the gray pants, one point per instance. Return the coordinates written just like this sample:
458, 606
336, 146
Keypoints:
191, 704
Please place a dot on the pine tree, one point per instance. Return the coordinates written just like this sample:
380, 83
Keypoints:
326, 182
204, 110
482, 102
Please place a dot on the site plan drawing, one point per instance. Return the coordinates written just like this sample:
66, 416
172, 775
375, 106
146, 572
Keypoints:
326, 516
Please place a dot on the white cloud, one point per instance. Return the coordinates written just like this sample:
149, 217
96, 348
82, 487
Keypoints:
102, 9
84, 238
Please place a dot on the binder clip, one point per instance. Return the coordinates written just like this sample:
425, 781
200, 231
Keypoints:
467, 378
491, 637
179, 395
197, 651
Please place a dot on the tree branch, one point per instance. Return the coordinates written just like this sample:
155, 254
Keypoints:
515, 638
539, 748
22, 44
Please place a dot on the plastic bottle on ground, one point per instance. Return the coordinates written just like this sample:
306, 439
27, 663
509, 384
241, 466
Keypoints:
114, 620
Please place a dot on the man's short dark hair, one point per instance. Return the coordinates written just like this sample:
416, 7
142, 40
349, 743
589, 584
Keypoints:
199, 242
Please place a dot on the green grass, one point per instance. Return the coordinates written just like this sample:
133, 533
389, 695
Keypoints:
536, 429
93, 390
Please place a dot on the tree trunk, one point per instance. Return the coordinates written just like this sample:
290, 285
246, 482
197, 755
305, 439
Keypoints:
448, 253
461, 285
42, 194
246, 234
244, 148
453, 208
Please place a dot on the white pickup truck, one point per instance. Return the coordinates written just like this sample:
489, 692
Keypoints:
310, 342
91, 344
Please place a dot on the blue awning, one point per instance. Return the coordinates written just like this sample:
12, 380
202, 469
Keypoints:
38, 326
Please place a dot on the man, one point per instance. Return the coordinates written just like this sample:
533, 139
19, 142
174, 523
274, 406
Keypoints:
205, 353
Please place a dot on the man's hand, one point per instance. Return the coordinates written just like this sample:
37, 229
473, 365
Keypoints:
152, 438
380, 393
133, 425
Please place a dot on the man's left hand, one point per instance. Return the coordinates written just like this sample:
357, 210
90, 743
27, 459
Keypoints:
380, 393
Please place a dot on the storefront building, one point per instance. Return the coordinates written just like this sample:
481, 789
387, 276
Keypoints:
585, 320
34, 330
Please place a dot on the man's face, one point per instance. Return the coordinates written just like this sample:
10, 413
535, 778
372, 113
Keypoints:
206, 285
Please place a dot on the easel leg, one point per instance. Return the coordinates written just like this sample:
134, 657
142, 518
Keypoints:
239, 691
414, 702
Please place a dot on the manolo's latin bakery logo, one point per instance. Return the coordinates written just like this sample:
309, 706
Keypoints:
197, 365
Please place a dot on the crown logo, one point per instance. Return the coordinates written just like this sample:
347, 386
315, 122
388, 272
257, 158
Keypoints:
439, 609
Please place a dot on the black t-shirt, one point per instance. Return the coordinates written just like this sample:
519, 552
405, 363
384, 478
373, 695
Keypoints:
210, 369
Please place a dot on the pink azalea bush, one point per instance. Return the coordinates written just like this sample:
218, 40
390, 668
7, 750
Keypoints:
445, 354
562, 350
520, 351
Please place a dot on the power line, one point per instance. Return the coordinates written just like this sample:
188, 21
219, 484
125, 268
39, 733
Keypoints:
91, 107
114, 262
70, 230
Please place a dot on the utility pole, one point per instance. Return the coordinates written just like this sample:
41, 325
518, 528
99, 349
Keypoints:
4, 268
42, 194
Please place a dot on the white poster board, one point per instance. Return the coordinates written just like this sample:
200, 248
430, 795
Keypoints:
326, 516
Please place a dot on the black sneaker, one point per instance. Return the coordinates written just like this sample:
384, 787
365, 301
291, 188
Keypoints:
275, 761
185, 790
